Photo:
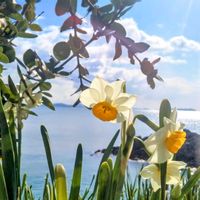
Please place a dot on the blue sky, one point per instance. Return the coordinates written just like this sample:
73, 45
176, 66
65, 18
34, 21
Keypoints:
172, 30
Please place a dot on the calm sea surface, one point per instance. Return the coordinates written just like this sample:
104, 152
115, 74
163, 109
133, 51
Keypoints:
67, 128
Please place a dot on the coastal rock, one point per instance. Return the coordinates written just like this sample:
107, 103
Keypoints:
189, 153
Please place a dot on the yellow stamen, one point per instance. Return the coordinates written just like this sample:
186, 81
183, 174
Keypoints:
104, 111
175, 141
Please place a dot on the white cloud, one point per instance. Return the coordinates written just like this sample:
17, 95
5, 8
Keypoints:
62, 90
172, 60
175, 43
183, 44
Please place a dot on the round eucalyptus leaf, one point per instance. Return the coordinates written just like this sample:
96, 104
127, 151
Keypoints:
9, 52
29, 58
61, 50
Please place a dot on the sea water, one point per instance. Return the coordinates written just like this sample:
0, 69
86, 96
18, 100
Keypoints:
67, 127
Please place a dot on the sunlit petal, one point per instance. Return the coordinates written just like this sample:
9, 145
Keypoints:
89, 97
109, 92
117, 88
160, 155
99, 84
155, 185
149, 171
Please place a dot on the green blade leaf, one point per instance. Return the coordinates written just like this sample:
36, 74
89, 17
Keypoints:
104, 179
165, 111
60, 182
8, 159
147, 121
76, 180
47, 146
3, 193
104, 158
190, 184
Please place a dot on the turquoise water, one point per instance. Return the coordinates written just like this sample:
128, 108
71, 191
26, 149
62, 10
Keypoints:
67, 128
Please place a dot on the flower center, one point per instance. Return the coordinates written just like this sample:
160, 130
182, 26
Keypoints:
104, 111
175, 141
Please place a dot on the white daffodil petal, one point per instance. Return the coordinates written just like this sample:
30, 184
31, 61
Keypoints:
99, 84
155, 185
124, 111
117, 88
89, 97
130, 101
176, 164
156, 138
173, 174
148, 171
173, 180
125, 100
160, 155
109, 92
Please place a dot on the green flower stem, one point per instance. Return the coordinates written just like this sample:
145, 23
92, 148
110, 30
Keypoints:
19, 133
121, 164
123, 126
123, 134
163, 173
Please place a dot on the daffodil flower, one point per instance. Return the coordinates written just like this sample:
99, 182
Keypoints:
107, 100
164, 143
173, 177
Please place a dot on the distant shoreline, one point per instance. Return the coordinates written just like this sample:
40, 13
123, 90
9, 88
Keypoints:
68, 105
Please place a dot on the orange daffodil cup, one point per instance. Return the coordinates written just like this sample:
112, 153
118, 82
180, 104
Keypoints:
107, 100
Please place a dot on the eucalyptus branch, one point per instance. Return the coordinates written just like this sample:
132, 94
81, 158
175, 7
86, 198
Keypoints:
93, 38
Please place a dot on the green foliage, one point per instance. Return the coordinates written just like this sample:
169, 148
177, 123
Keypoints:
3, 189
46, 142
60, 182
8, 158
76, 180
104, 181
165, 111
